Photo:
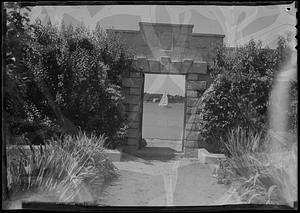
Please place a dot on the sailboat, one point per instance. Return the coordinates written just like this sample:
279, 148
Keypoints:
164, 101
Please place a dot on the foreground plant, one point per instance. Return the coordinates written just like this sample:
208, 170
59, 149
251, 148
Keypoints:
263, 177
61, 169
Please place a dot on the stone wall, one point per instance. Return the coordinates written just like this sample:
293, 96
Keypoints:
167, 49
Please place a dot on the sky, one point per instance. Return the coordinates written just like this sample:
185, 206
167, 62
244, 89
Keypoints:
160, 83
239, 24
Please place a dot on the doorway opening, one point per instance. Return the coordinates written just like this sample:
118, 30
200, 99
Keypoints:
164, 110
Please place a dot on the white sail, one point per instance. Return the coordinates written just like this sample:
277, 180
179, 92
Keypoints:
163, 100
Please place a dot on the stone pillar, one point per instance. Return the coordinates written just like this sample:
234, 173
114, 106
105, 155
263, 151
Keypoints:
196, 81
132, 88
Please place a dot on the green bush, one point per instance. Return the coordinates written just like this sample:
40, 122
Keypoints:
68, 79
239, 94
61, 168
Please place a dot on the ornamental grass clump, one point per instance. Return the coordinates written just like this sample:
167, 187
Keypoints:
262, 176
61, 170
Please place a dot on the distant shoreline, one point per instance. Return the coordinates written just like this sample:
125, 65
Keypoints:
155, 97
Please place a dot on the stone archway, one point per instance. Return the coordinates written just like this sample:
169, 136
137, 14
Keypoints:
188, 54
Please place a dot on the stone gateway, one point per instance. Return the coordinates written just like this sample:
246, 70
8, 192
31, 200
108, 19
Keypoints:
167, 49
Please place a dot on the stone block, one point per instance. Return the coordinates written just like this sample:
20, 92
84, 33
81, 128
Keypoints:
135, 91
133, 108
191, 102
132, 99
165, 64
192, 135
135, 74
126, 74
201, 155
165, 68
132, 133
196, 85
114, 155
176, 67
192, 76
132, 82
209, 158
133, 141
190, 152
165, 60
142, 64
186, 65
154, 66
126, 90
133, 116
192, 110
198, 67
133, 124
192, 127
130, 149
195, 118
191, 144
192, 93
188, 117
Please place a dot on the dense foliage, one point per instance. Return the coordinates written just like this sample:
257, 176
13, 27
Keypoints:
69, 79
239, 95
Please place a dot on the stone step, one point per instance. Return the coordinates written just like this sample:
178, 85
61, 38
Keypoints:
209, 158
114, 155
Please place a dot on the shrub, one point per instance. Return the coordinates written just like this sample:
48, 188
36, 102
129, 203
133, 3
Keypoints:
73, 79
239, 93
61, 168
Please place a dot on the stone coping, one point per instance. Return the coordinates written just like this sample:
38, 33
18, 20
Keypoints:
122, 31
165, 24
208, 35
209, 158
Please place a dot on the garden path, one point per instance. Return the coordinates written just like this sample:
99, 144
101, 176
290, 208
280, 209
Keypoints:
161, 176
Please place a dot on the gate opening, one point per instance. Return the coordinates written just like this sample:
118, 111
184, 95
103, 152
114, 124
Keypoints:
163, 110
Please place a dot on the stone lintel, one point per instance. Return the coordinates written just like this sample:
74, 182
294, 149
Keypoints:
186, 65
142, 64
164, 60
176, 67
154, 65
198, 67
192, 76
